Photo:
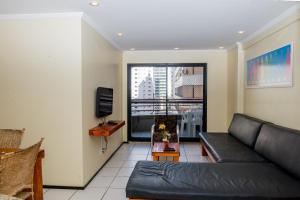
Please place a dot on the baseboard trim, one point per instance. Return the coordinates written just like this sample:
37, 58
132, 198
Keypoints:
82, 188
63, 187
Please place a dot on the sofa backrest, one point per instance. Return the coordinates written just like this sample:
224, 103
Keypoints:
245, 128
281, 146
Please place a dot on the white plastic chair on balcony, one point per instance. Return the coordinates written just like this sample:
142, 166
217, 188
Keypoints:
187, 118
197, 121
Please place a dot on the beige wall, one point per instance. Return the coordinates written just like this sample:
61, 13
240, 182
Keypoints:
232, 83
40, 84
101, 66
278, 105
50, 69
217, 78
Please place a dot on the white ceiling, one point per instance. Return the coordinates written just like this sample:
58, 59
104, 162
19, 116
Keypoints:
165, 24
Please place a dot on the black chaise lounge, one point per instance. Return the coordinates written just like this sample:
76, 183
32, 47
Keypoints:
272, 173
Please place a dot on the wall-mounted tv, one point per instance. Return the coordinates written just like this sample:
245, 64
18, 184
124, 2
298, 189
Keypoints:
104, 102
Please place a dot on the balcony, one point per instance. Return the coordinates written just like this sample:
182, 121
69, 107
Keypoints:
143, 112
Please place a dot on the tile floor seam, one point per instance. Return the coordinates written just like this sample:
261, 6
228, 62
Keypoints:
104, 193
73, 194
114, 178
109, 187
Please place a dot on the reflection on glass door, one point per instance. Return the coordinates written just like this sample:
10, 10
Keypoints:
161, 89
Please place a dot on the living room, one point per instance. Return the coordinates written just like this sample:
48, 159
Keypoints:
55, 54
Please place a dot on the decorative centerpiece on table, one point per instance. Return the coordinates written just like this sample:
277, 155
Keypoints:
165, 135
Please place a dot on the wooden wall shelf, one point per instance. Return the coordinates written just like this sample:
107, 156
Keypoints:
106, 129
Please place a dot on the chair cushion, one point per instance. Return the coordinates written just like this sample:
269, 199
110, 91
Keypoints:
225, 148
245, 128
209, 181
281, 146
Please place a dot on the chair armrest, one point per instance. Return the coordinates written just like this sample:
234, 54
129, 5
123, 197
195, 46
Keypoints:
152, 132
177, 132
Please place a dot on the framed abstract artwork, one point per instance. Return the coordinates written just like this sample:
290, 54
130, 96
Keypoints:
272, 69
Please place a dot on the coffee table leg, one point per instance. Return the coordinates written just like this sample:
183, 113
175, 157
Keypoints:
155, 158
176, 158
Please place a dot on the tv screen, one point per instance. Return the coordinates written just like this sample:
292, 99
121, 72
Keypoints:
104, 102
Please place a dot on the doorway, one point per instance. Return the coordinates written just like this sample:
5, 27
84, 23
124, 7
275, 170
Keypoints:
167, 89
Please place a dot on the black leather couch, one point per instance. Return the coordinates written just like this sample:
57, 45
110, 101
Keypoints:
271, 172
237, 145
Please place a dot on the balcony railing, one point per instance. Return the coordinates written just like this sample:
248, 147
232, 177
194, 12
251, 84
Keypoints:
143, 112
152, 107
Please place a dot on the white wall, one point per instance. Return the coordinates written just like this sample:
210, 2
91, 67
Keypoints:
217, 79
40, 84
101, 66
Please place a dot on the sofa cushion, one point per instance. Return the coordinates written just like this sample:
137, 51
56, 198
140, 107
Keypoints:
225, 148
245, 128
209, 181
281, 146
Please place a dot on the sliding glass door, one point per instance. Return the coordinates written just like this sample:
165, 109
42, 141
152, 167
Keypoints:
166, 89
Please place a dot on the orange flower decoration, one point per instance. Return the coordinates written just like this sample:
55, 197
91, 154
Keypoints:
162, 127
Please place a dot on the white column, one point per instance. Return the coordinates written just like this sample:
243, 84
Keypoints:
240, 78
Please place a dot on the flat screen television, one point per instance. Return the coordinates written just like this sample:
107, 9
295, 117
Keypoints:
104, 102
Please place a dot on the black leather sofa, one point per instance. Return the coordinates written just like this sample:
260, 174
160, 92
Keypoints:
235, 146
271, 172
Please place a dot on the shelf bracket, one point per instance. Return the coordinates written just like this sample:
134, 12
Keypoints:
104, 143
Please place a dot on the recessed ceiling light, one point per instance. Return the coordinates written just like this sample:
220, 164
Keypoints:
120, 34
221, 47
176, 48
94, 3
132, 49
241, 32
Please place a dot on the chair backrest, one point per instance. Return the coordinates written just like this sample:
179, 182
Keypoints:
197, 117
169, 120
10, 138
16, 170
187, 116
171, 126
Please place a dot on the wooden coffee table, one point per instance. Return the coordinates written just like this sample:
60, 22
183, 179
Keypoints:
158, 150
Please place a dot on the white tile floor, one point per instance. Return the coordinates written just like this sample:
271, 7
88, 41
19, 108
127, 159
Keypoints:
110, 182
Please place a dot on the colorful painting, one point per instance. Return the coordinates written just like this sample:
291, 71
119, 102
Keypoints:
273, 69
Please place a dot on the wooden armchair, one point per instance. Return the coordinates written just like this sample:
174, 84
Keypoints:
11, 139
16, 172
171, 127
